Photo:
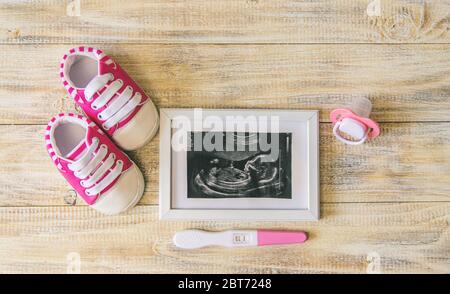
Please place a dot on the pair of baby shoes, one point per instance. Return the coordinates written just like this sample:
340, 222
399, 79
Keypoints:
86, 148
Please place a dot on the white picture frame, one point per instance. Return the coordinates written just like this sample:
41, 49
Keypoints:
306, 120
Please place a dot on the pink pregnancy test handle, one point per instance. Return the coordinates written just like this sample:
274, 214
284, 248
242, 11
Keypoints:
266, 237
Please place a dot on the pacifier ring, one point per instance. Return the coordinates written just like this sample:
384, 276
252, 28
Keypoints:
338, 135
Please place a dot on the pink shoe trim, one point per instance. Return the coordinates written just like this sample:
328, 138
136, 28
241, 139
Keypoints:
82, 49
48, 142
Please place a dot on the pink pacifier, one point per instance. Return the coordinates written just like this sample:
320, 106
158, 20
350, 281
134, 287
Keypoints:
354, 121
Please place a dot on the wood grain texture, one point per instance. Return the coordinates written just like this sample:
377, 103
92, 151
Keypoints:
409, 162
405, 237
384, 203
405, 82
224, 21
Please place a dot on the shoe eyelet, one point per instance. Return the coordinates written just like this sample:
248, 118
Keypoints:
103, 146
120, 81
105, 127
99, 116
94, 107
113, 156
120, 162
82, 183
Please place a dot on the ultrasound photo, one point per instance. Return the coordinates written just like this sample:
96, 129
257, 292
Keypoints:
239, 165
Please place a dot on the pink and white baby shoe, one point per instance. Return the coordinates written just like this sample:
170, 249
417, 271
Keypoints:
94, 166
109, 97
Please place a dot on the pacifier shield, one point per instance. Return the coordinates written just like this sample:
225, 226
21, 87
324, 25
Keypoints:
342, 113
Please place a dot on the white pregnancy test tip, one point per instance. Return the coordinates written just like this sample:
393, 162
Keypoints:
185, 239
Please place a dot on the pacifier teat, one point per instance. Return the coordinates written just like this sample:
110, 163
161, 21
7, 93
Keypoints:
352, 125
361, 106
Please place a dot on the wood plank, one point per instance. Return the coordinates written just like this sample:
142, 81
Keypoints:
403, 238
405, 82
409, 162
225, 21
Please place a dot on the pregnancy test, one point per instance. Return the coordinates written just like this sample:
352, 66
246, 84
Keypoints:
192, 239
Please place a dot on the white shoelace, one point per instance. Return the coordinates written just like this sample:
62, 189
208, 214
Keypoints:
92, 166
119, 107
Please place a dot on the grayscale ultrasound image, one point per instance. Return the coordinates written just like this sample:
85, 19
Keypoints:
248, 170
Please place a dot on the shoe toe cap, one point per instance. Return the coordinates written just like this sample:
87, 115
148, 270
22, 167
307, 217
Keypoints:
124, 194
139, 130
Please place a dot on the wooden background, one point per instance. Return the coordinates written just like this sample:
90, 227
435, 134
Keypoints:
385, 205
